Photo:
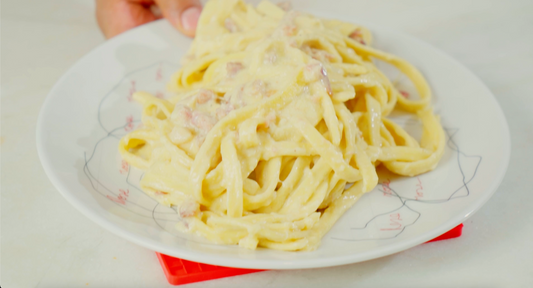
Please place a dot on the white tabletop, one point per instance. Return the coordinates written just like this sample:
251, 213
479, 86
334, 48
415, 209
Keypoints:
47, 243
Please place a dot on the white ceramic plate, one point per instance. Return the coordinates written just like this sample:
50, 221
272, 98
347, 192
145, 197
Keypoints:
89, 109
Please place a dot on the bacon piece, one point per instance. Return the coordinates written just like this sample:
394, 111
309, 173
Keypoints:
270, 92
270, 57
202, 122
321, 55
233, 68
317, 54
285, 5
289, 30
315, 71
357, 36
259, 87
270, 118
181, 115
224, 110
404, 94
231, 25
204, 95
188, 208
312, 71
293, 43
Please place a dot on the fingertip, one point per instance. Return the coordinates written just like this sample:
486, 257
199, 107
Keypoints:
189, 19
182, 14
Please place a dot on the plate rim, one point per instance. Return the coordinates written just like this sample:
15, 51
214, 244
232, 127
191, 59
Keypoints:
206, 257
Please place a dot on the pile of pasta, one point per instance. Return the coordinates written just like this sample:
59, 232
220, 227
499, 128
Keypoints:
277, 126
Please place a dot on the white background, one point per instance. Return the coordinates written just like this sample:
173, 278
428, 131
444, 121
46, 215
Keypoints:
45, 242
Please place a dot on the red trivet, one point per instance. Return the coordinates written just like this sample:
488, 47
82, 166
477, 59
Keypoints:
179, 271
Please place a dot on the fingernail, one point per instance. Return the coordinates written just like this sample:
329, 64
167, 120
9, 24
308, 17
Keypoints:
189, 18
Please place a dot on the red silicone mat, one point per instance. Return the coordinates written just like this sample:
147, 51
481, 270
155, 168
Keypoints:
179, 271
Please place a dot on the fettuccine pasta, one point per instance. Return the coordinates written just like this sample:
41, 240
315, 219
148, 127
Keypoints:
277, 127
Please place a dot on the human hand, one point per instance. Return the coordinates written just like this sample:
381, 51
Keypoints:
117, 16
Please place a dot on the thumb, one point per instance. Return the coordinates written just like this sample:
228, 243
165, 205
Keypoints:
182, 14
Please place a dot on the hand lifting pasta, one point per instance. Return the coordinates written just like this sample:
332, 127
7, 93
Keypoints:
275, 113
